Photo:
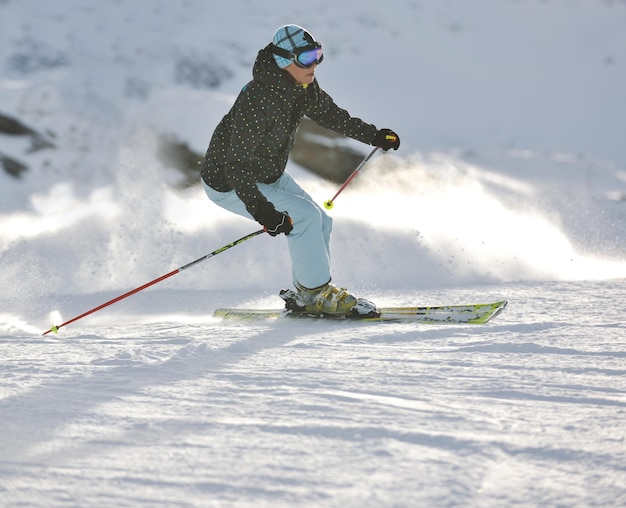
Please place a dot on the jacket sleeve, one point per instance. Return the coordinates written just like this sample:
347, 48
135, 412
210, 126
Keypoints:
321, 108
247, 128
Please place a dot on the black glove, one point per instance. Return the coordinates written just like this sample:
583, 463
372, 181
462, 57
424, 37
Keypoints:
273, 222
386, 139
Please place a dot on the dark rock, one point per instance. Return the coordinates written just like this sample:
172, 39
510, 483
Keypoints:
13, 127
178, 155
12, 166
319, 150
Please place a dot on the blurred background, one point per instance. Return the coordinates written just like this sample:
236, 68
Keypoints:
511, 115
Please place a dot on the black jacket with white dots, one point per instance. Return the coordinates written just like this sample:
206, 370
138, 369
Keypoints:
251, 143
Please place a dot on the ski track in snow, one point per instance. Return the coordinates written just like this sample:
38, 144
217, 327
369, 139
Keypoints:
163, 413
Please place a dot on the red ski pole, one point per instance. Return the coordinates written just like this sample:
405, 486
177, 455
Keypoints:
55, 329
329, 204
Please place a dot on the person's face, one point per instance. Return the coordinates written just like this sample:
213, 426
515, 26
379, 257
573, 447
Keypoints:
302, 76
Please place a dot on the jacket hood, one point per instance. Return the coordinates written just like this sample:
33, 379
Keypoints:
266, 70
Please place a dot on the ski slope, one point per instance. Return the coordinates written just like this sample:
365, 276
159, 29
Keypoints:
509, 184
157, 404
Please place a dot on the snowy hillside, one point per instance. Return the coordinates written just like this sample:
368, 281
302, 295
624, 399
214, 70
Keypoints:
507, 170
510, 183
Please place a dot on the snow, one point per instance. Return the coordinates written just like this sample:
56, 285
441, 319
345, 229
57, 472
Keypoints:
510, 183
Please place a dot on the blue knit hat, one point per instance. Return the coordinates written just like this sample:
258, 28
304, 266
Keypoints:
290, 37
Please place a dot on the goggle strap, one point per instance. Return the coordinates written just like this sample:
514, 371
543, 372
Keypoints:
277, 50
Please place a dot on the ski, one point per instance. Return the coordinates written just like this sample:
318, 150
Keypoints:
459, 314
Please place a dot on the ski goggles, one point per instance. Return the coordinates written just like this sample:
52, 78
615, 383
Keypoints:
308, 56
304, 57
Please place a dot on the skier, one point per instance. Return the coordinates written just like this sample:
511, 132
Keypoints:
244, 167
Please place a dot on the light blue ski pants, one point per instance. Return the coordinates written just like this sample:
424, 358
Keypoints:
309, 241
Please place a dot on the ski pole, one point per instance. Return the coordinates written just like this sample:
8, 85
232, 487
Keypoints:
329, 204
55, 329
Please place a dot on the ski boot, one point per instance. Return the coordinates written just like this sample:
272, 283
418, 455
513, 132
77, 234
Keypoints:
327, 300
